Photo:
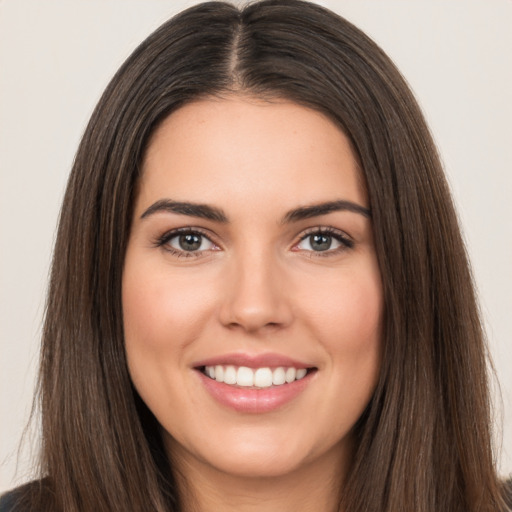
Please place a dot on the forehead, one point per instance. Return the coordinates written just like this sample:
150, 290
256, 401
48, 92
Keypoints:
241, 148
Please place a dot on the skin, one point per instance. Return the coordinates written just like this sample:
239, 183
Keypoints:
256, 286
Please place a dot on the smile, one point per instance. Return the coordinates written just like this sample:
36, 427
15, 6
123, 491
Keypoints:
255, 378
257, 390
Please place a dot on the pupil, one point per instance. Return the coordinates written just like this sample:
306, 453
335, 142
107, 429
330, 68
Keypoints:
190, 242
320, 242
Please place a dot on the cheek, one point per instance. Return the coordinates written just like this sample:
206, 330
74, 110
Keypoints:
163, 313
355, 317
160, 309
346, 319
350, 330
347, 314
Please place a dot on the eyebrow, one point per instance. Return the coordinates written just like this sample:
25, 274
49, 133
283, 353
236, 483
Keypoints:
315, 210
204, 211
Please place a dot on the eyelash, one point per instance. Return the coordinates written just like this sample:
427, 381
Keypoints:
163, 240
336, 234
339, 236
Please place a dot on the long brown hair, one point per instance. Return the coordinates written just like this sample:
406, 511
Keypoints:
424, 441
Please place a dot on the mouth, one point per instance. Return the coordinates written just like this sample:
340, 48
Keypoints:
255, 383
255, 389
255, 378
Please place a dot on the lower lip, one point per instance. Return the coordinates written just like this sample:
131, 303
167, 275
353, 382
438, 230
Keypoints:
250, 400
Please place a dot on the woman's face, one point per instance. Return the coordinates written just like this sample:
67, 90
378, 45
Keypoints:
250, 263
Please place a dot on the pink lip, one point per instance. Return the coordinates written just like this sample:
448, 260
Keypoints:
254, 401
253, 361
250, 400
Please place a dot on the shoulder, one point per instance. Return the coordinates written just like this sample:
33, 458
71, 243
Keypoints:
21, 498
9, 500
507, 492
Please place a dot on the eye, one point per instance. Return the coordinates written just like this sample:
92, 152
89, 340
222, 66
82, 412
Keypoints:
324, 240
190, 242
186, 242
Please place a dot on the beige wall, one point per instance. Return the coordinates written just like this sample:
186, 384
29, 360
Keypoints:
57, 56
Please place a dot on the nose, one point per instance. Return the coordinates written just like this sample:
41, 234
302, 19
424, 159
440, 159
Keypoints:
255, 296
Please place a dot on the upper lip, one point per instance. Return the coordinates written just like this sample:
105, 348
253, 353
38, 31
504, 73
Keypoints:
253, 361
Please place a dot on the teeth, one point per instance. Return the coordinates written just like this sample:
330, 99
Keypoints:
259, 377
245, 377
301, 373
230, 375
263, 378
219, 373
290, 374
278, 376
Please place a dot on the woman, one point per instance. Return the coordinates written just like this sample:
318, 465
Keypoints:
256, 228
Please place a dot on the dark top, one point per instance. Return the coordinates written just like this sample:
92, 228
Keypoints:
7, 502
19, 499
12, 501
9, 499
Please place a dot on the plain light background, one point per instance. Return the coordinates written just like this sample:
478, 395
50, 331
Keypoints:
56, 57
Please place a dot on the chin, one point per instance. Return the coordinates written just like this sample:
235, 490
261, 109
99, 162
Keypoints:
260, 464
260, 454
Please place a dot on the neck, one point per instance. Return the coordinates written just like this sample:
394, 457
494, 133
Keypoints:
312, 487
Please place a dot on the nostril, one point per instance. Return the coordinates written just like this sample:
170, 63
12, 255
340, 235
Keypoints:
253, 325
